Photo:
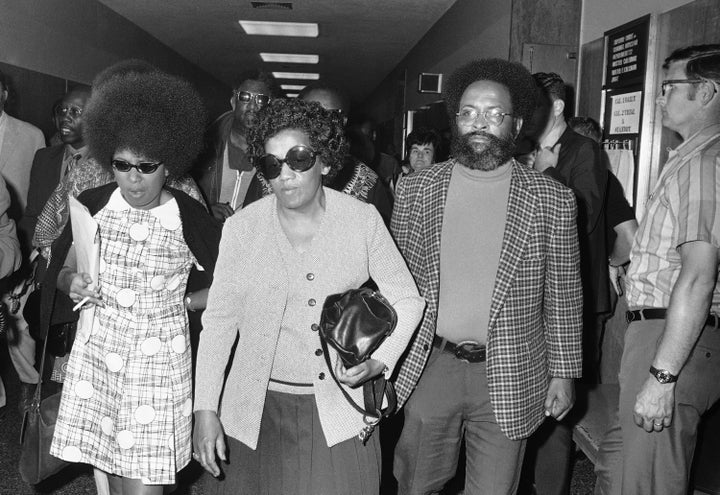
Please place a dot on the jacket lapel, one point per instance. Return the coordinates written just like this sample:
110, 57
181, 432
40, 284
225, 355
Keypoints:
518, 224
436, 195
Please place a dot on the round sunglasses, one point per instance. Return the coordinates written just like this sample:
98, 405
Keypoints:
299, 158
142, 167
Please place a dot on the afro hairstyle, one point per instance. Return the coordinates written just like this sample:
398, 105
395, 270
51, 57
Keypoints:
153, 114
122, 68
512, 75
323, 127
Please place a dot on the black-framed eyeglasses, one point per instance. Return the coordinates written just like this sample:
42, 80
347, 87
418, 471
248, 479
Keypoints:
245, 96
299, 158
74, 112
669, 82
469, 115
142, 167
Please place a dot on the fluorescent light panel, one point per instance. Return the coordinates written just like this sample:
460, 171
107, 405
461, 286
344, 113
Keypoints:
292, 95
293, 58
293, 87
304, 29
310, 76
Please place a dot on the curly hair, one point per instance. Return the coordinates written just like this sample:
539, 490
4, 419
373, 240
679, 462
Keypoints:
323, 127
122, 68
512, 75
422, 136
153, 114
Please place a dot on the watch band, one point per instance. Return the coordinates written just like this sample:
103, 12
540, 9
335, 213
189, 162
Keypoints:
663, 376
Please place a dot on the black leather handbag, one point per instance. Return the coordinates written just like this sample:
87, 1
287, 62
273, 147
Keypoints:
355, 323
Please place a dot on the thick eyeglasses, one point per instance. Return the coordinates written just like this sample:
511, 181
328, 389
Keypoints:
299, 158
670, 82
73, 112
142, 167
468, 116
245, 96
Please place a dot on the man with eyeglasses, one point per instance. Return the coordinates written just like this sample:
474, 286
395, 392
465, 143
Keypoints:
493, 248
226, 171
670, 369
52, 163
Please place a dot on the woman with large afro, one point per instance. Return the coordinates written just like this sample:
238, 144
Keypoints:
126, 407
281, 420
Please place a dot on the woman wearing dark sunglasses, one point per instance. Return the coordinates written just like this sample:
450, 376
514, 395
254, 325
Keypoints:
283, 423
126, 406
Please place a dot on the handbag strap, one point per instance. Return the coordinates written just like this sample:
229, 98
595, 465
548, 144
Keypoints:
38, 389
373, 392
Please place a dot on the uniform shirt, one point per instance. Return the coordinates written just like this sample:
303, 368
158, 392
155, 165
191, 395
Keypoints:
684, 207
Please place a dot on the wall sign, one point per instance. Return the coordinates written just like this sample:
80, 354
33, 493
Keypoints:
625, 111
626, 53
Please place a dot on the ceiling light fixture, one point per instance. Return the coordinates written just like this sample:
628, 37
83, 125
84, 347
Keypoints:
293, 58
305, 29
292, 95
310, 76
293, 87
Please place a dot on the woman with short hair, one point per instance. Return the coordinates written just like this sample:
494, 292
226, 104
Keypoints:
289, 428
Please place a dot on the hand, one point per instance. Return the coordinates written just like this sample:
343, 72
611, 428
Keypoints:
654, 405
221, 211
560, 397
208, 438
617, 278
547, 157
357, 375
78, 289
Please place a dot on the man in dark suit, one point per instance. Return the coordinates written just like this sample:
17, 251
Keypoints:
493, 248
51, 163
576, 162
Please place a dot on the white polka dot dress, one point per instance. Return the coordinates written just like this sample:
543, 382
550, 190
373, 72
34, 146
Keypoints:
126, 405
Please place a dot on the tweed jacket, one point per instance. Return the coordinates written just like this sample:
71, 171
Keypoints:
250, 293
534, 331
20, 143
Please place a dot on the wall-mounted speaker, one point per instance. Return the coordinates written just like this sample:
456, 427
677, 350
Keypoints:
429, 83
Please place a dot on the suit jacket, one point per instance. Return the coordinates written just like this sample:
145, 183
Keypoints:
208, 173
21, 142
44, 178
581, 168
534, 331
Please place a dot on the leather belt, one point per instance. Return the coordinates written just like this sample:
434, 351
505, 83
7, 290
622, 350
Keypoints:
469, 351
712, 320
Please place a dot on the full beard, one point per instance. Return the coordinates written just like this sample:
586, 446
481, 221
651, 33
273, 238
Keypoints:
487, 156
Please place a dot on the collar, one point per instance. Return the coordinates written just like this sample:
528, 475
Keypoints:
696, 141
168, 213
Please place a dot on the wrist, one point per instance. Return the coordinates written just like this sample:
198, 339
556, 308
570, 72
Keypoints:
663, 376
188, 302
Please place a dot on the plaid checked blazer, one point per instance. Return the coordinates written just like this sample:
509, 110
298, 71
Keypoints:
535, 326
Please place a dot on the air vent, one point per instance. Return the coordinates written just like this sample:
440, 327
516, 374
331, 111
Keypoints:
272, 5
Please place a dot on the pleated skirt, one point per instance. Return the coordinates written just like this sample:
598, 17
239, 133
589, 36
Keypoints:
292, 456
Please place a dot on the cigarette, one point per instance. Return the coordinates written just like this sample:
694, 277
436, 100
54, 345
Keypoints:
80, 304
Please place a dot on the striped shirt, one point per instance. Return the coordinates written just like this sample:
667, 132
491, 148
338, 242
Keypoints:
684, 207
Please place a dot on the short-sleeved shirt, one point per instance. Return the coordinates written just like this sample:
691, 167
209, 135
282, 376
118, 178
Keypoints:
684, 207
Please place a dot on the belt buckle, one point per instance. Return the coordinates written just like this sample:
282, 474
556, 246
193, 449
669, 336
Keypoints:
465, 349
630, 316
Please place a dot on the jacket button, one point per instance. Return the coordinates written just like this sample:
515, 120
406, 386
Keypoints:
318, 352
311, 302
314, 327
310, 276
425, 347
321, 376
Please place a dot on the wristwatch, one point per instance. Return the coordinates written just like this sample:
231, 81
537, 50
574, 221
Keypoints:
188, 301
663, 376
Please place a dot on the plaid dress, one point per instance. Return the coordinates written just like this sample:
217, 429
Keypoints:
126, 405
